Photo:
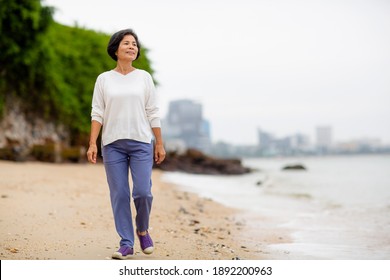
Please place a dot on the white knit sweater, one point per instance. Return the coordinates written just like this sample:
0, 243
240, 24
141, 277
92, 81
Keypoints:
126, 106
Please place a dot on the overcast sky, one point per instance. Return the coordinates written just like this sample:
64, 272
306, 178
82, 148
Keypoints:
283, 66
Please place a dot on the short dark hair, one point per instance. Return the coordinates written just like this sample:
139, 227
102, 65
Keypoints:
116, 38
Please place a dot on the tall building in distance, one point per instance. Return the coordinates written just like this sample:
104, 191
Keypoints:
266, 142
184, 126
324, 139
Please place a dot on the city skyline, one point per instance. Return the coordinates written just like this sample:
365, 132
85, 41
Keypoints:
185, 127
287, 66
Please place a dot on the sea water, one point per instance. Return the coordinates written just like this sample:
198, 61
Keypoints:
338, 208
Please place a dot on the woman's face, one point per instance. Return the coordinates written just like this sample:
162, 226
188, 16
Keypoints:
127, 49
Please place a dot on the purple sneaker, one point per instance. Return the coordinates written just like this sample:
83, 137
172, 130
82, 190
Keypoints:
146, 243
124, 253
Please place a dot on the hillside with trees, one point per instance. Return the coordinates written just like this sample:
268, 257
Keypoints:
47, 75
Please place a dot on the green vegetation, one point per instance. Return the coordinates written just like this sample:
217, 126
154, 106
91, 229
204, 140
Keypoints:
50, 67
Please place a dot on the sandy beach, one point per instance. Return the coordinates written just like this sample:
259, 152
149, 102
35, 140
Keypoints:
63, 212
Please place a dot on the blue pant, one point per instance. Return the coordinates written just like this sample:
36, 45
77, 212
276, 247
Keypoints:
118, 158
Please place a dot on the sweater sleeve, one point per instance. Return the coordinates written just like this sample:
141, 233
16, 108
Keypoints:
151, 105
98, 102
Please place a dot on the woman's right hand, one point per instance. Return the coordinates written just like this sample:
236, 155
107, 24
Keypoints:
92, 153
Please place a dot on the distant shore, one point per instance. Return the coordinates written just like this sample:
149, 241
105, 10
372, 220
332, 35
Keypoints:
62, 211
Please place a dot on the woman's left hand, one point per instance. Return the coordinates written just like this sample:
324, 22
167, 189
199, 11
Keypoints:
159, 153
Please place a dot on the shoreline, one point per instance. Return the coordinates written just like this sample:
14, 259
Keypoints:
63, 212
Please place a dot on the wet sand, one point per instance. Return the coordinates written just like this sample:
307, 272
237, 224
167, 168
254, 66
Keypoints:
63, 212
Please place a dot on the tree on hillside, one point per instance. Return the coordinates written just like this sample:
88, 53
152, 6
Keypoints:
22, 22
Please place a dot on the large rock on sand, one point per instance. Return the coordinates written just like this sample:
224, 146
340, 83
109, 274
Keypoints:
194, 161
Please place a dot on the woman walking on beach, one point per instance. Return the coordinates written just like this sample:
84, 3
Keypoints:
124, 104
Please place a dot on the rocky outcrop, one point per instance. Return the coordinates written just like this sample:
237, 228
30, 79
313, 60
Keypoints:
28, 137
194, 161
294, 167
